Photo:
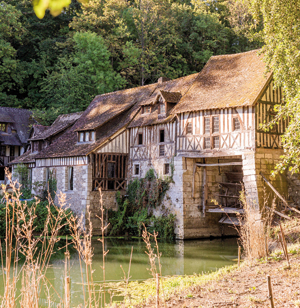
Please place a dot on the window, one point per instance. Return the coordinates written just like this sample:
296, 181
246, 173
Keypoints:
166, 168
236, 124
162, 135
12, 151
136, 169
2, 127
207, 143
140, 138
162, 108
70, 178
216, 142
47, 175
189, 128
81, 137
147, 109
161, 150
2, 150
206, 125
216, 126
87, 136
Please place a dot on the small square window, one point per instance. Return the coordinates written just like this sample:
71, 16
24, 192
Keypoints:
166, 168
189, 128
136, 169
147, 109
207, 143
216, 127
216, 142
161, 150
206, 125
140, 138
236, 124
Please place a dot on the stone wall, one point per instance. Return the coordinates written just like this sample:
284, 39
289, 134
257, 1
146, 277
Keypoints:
172, 202
109, 203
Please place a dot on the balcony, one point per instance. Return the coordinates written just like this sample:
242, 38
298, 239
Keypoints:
4, 160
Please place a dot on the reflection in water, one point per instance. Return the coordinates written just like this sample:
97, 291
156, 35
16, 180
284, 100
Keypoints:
182, 257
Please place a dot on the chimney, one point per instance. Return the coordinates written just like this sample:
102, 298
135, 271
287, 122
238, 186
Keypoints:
163, 79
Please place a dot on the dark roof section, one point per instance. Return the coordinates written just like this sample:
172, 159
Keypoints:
171, 97
25, 158
67, 144
106, 106
22, 122
38, 129
226, 81
61, 123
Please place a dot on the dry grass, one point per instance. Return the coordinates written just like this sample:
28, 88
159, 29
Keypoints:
37, 252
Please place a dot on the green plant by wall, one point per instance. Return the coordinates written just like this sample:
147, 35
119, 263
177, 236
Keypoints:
136, 208
22, 172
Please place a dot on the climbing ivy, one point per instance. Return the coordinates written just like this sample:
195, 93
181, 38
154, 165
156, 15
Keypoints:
136, 208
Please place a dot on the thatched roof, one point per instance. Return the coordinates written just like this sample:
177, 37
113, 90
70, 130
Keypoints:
61, 123
21, 121
105, 107
171, 91
67, 144
226, 81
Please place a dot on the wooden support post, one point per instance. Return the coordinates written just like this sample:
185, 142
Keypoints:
67, 281
157, 290
194, 174
239, 256
270, 292
204, 194
284, 245
278, 194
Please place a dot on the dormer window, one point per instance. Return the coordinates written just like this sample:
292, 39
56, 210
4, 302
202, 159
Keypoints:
87, 136
146, 109
162, 108
2, 127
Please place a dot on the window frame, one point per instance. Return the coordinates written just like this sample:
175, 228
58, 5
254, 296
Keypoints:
136, 167
166, 169
70, 178
3, 125
189, 128
234, 119
140, 138
160, 136
160, 109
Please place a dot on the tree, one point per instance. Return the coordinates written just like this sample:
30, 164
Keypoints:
11, 76
77, 79
281, 35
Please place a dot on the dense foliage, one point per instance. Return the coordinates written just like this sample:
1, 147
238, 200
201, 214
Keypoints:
136, 209
41, 213
281, 35
58, 64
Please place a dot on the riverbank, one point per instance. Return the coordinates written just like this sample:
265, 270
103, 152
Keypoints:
228, 287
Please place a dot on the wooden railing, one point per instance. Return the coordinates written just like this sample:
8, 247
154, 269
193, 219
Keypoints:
4, 160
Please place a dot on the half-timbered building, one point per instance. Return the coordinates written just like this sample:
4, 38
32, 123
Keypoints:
203, 130
15, 127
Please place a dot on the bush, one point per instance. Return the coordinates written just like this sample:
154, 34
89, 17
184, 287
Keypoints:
142, 196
